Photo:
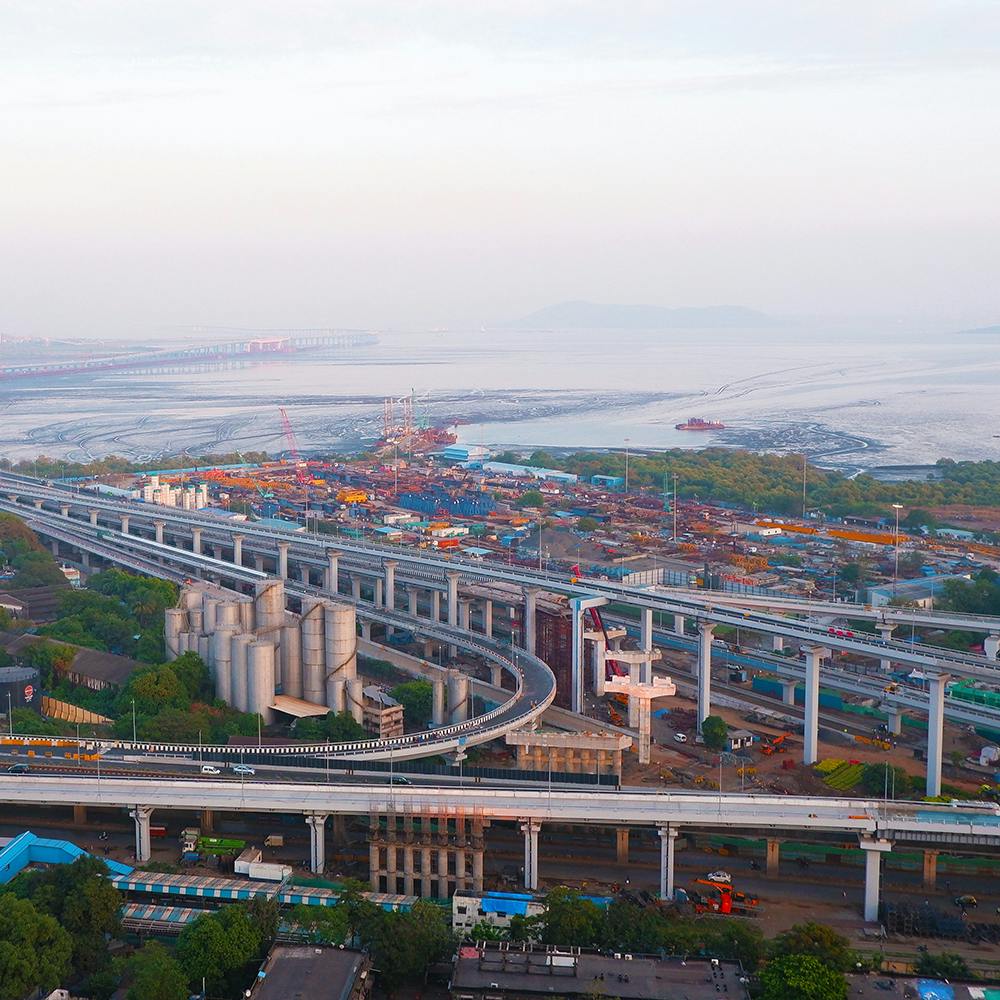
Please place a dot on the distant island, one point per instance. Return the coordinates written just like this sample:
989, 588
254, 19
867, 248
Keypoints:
981, 329
602, 316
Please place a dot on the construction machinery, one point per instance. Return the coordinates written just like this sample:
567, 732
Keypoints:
777, 745
718, 897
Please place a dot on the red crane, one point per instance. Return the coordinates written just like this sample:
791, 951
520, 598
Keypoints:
293, 445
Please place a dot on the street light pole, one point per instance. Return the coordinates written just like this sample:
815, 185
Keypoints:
675, 506
133, 721
10, 714
626, 465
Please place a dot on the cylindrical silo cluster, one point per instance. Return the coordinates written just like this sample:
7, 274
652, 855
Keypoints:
256, 650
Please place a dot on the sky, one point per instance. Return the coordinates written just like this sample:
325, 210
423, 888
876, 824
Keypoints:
425, 163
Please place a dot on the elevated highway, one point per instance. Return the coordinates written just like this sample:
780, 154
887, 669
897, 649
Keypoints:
876, 824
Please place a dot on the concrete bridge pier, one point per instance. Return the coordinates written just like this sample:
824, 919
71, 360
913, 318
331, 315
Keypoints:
93, 516
331, 578
317, 842
991, 646
158, 527
679, 625
668, 840
412, 596
935, 731
124, 524
885, 632
530, 828
283, 560
810, 741
389, 585
238, 550
196, 540
141, 815
435, 605
488, 618
530, 599
874, 849
705, 632
258, 563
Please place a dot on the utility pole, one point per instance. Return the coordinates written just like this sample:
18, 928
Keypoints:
895, 567
626, 465
675, 506
803, 486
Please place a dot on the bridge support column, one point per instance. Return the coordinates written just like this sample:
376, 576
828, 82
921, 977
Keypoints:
576, 610
158, 527
438, 703
356, 587
408, 870
810, 740
668, 839
465, 614
64, 509
238, 550
304, 573
646, 642
38, 504
85, 559
894, 721
196, 540
366, 630
141, 815
488, 618
773, 861
930, 869
599, 666
258, 563
874, 849
935, 731
79, 815
777, 643
331, 578
679, 625
317, 842
283, 560
530, 599
124, 521
377, 591
389, 587
216, 551
530, 828
621, 845
496, 675
425, 872
885, 633
705, 631
435, 605
374, 867
411, 602
788, 692
207, 821
991, 646
443, 892
453, 578
93, 518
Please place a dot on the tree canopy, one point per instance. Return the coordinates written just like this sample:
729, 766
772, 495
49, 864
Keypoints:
154, 974
715, 731
416, 697
803, 977
35, 952
818, 940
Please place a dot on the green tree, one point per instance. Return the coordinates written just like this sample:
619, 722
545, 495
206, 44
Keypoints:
84, 902
715, 731
588, 523
530, 498
406, 944
35, 952
326, 924
571, 920
416, 697
803, 977
155, 975
818, 940
217, 945
876, 779
944, 965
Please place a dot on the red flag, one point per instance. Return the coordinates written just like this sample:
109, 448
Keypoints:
575, 570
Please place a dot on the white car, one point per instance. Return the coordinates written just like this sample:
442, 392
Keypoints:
720, 876
680, 738
209, 769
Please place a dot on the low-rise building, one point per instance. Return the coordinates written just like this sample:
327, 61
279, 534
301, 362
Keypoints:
492, 909
383, 715
313, 973
509, 971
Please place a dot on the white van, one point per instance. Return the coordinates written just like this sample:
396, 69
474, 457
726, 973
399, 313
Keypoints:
209, 769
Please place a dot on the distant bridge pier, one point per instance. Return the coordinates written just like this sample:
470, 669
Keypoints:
158, 527
530, 599
196, 540
991, 646
389, 583
935, 731
810, 742
705, 632
331, 578
530, 828
317, 842
93, 518
238, 549
885, 634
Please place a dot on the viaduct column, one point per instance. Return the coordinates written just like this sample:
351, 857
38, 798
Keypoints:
283, 560
317, 842
488, 618
705, 631
530, 828
331, 580
196, 540
453, 578
678, 625
389, 587
238, 550
411, 601
646, 642
885, 633
141, 815
991, 646
124, 524
810, 741
935, 731
668, 838
64, 509
158, 527
874, 849
530, 597
93, 518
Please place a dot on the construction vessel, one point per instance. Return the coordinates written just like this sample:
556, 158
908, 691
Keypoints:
698, 424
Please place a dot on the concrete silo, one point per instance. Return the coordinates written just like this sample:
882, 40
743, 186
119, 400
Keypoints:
313, 650
261, 679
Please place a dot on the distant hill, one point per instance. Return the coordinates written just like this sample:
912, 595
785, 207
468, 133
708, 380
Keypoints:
982, 329
601, 316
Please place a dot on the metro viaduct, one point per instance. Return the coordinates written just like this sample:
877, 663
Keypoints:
877, 825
